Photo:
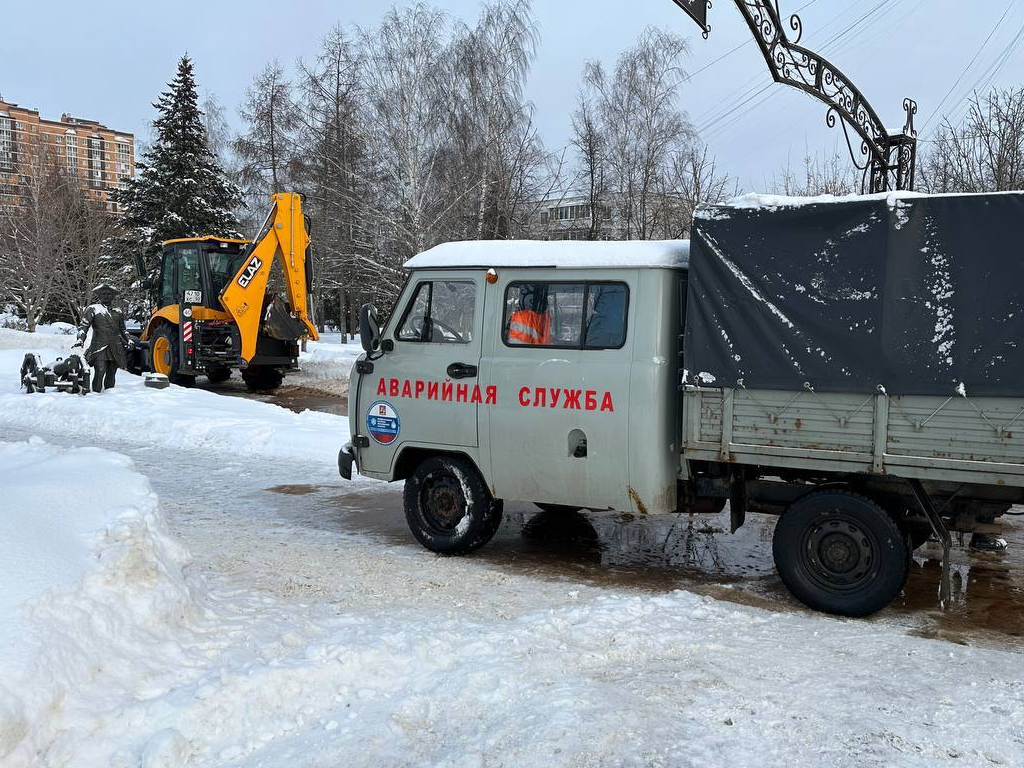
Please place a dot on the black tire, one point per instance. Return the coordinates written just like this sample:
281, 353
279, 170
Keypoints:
917, 536
448, 506
565, 509
841, 553
262, 378
217, 375
169, 333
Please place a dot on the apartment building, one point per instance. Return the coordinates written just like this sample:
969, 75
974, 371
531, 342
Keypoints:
101, 158
569, 217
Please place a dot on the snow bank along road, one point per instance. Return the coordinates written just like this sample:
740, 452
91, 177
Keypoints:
170, 610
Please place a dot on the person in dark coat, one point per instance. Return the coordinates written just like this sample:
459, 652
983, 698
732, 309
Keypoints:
106, 351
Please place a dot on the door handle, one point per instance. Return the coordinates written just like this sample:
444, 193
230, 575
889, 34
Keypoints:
461, 371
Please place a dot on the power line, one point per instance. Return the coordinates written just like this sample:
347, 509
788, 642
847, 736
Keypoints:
716, 125
731, 51
938, 109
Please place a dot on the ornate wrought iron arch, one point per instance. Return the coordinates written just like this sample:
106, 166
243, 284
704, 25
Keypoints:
888, 160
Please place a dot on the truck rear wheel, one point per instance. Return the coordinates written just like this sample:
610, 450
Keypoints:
841, 553
448, 506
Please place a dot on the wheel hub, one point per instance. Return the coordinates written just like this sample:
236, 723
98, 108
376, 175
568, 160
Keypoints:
840, 555
443, 502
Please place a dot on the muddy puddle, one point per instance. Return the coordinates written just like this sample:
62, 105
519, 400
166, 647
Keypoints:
297, 399
698, 554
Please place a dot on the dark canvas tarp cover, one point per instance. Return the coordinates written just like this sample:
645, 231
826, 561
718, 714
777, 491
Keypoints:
918, 294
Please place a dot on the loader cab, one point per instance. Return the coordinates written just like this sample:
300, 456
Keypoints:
197, 269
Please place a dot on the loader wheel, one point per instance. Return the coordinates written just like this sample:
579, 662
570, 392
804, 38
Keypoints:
448, 506
163, 351
262, 377
841, 553
164, 356
217, 375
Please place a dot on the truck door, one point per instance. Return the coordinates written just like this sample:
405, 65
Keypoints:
561, 365
426, 389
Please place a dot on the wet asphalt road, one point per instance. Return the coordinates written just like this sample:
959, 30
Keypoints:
698, 553
278, 516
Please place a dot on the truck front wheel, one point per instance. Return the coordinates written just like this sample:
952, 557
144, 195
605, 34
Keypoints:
448, 506
841, 553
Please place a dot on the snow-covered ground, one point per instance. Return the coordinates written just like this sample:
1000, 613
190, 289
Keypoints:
325, 366
238, 608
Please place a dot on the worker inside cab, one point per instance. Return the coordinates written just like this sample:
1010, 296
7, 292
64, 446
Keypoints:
530, 323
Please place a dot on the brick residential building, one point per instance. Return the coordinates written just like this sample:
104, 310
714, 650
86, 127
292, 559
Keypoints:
100, 158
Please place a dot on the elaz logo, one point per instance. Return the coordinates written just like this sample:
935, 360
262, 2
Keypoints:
250, 271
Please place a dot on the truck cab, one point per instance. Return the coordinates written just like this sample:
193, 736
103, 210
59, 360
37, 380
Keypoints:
544, 372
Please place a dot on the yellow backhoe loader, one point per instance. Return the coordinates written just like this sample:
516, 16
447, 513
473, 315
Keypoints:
214, 312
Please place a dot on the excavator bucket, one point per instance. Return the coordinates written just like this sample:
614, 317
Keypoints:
284, 237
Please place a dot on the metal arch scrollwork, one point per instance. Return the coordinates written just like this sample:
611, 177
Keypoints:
698, 11
888, 160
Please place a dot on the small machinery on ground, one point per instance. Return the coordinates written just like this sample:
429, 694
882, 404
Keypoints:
69, 374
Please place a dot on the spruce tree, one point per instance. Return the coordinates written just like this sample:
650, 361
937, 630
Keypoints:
180, 189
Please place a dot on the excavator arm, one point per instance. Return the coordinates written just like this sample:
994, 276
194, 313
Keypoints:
283, 236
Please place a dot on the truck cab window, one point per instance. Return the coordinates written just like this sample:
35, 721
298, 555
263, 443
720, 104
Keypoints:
566, 315
543, 314
606, 316
440, 312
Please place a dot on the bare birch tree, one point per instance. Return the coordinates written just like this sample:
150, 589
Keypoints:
643, 125
266, 147
831, 175
37, 230
984, 153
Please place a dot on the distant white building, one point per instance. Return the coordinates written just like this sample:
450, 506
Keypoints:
569, 217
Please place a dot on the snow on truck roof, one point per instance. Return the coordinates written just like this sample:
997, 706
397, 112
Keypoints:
559, 254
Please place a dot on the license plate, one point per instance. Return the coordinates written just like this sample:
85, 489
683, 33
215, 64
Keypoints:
193, 297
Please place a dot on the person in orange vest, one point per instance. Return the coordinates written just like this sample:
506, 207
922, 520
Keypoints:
530, 323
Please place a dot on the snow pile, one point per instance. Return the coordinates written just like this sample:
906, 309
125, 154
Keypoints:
326, 366
562, 254
45, 344
175, 418
92, 589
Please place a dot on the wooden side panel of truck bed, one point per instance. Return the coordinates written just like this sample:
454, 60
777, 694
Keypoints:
957, 439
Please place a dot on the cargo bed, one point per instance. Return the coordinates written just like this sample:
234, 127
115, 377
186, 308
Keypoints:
941, 439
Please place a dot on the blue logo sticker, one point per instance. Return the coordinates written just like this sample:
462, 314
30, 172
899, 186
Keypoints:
383, 423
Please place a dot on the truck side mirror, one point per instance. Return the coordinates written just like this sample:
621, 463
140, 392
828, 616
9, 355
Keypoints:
369, 328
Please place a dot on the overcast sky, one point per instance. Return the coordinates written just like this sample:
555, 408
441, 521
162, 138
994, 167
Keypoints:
109, 60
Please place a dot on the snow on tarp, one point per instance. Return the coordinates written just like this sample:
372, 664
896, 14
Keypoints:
562, 254
919, 294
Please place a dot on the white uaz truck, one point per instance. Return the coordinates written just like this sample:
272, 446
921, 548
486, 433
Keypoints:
851, 365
